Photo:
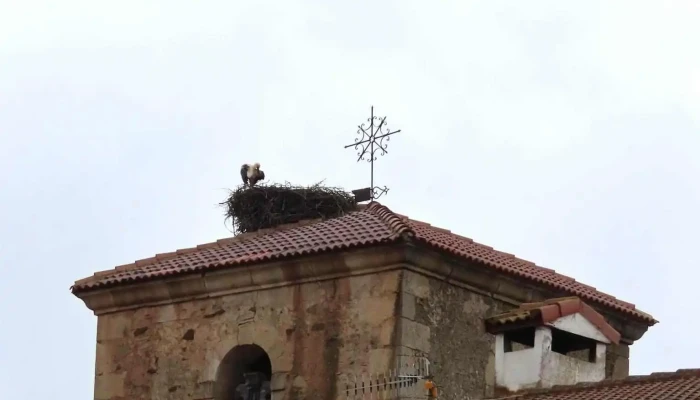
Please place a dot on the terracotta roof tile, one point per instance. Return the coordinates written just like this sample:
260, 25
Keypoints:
548, 311
370, 225
679, 385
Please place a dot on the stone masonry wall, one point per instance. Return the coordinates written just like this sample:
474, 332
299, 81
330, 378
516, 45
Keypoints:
446, 322
451, 322
311, 332
314, 333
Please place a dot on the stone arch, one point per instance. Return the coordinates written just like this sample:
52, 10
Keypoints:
240, 360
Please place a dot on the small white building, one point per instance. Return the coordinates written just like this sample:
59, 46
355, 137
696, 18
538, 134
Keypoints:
557, 342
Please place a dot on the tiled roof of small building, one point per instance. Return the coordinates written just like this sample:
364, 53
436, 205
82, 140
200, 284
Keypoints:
548, 311
679, 385
371, 225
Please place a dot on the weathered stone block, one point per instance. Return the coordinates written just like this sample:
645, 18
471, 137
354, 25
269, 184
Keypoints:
414, 335
276, 299
185, 286
622, 350
228, 279
247, 334
621, 368
408, 305
114, 326
375, 310
416, 284
267, 275
109, 386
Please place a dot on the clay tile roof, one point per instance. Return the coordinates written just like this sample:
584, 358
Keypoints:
548, 311
679, 385
372, 224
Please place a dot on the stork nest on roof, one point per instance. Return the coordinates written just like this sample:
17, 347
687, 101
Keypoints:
267, 206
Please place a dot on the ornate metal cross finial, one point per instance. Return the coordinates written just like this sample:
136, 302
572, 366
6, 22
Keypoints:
369, 142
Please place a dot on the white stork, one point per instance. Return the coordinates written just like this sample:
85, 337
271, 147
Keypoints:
251, 174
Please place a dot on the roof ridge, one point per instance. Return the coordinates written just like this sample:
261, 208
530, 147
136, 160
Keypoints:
397, 224
630, 380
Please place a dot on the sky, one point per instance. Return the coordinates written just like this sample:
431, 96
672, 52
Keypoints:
566, 133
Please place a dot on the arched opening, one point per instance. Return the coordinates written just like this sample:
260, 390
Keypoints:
240, 360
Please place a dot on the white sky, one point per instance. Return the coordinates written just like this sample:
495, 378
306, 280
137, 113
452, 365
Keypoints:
567, 135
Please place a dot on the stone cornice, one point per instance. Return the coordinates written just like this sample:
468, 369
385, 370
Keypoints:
243, 279
421, 260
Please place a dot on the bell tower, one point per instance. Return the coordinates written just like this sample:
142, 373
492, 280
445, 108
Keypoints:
341, 307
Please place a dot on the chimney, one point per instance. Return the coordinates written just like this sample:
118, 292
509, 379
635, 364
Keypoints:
362, 194
556, 342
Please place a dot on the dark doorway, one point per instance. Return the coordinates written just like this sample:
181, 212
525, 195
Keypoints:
238, 361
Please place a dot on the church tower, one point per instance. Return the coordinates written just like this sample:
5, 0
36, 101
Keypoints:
310, 309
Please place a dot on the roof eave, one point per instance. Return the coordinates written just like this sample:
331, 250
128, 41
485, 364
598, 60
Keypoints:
633, 313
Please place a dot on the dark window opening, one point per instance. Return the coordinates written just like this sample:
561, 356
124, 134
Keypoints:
519, 339
566, 343
572, 345
238, 361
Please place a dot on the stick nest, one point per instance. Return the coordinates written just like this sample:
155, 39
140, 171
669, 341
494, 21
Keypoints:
266, 206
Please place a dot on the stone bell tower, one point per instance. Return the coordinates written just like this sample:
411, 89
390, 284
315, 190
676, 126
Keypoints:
302, 310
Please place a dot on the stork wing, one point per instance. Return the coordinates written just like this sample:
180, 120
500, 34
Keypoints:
244, 174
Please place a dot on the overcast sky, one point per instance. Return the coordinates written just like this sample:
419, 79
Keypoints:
567, 135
